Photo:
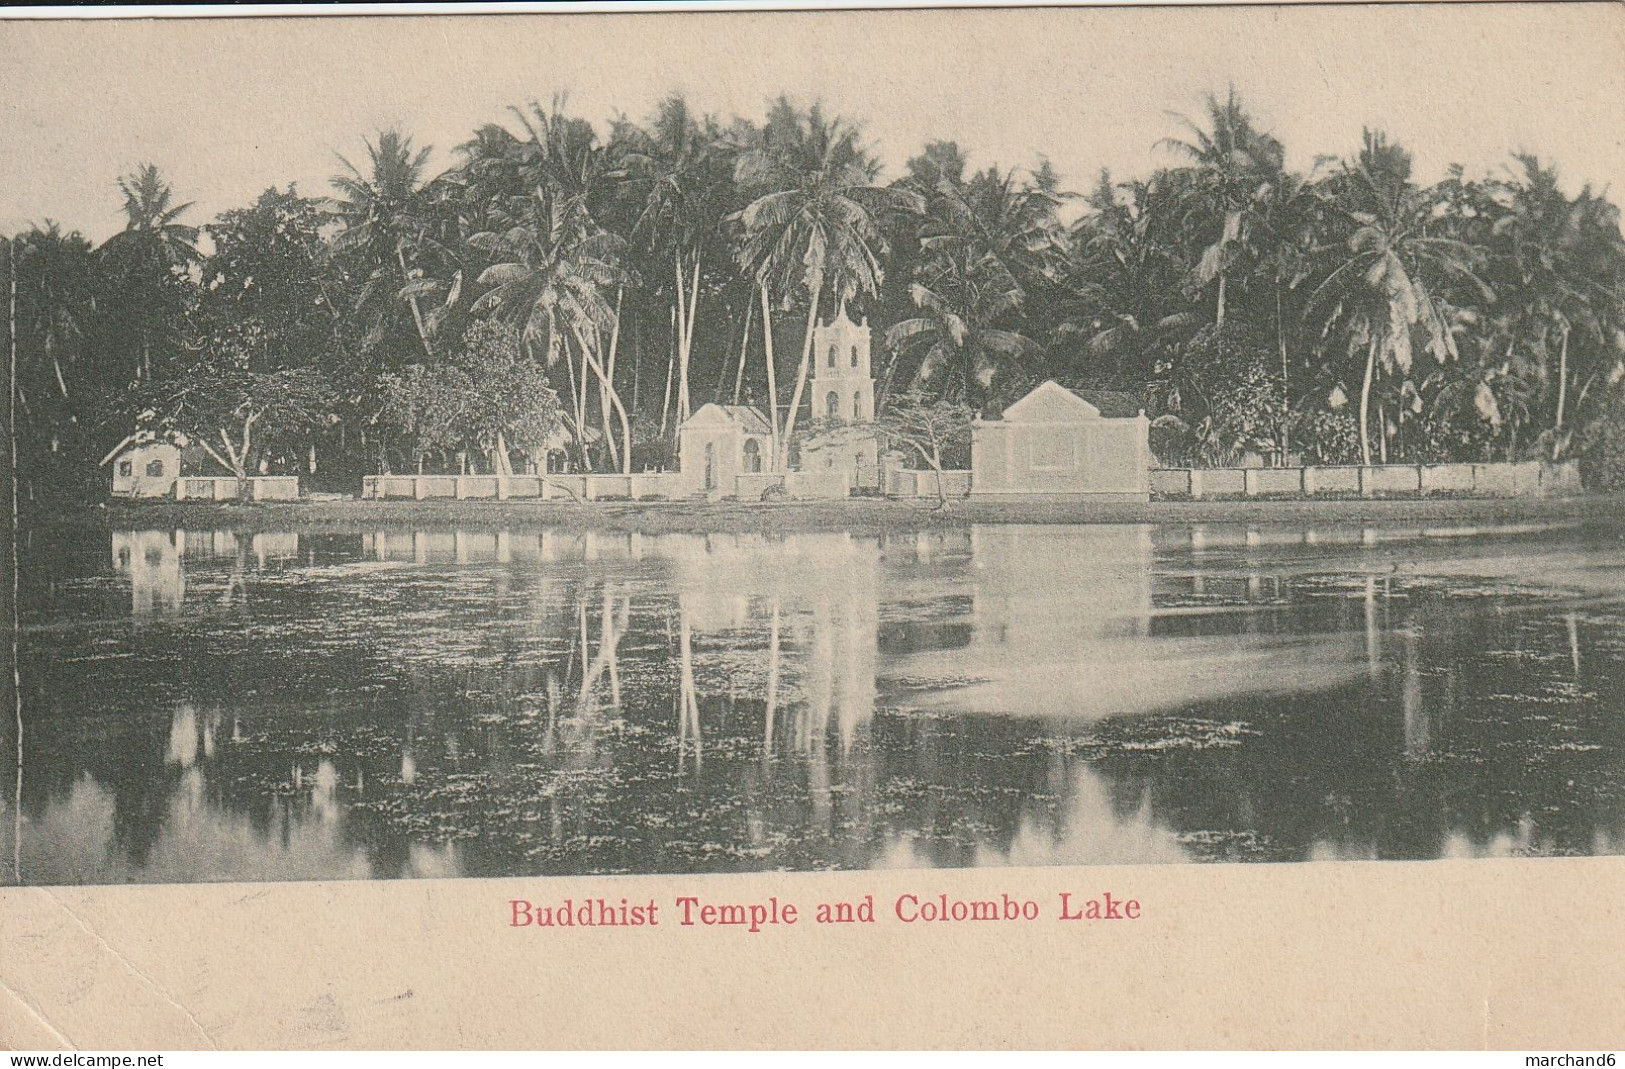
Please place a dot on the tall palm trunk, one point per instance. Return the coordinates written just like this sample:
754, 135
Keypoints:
607, 388
1218, 319
744, 351
604, 405
801, 375
412, 301
772, 375
614, 349
1562, 385
1365, 403
1286, 392
671, 367
686, 308
578, 402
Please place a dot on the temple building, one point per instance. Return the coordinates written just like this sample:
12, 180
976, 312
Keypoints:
1054, 442
842, 388
719, 443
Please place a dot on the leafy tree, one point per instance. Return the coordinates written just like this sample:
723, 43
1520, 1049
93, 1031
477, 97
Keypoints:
937, 431
488, 394
244, 418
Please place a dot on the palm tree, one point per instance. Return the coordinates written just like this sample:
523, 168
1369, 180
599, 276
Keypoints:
1556, 253
150, 257
382, 215
554, 268
813, 223
956, 332
56, 296
677, 173
1234, 170
1390, 275
152, 218
1121, 287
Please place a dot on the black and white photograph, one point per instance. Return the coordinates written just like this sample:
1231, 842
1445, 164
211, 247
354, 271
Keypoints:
615, 525
571, 445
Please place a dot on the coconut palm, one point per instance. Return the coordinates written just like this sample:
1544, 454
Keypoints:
1389, 278
1121, 290
552, 274
1234, 169
147, 264
383, 219
957, 337
1555, 253
813, 221
677, 171
152, 219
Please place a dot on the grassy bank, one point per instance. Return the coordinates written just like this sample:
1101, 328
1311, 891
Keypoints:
858, 516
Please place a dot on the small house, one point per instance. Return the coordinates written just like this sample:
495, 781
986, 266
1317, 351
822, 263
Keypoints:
1054, 442
719, 443
144, 469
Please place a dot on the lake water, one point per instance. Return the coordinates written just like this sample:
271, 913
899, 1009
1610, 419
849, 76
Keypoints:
205, 705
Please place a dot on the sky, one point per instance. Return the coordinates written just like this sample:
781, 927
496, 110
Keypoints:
229, 107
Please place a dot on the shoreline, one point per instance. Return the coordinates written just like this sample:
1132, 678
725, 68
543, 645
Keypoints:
858, 516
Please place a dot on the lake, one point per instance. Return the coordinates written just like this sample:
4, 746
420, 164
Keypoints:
210, 705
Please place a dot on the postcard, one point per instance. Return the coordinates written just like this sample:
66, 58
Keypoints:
1087, 527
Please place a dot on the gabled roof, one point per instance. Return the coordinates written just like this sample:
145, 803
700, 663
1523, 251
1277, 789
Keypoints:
748, 418
1051, 402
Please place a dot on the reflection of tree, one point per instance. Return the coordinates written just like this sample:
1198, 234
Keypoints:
461, 702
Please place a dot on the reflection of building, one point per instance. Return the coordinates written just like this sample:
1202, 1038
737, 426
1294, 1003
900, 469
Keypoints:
152, 561
1054, 442
1060, 589
823, 589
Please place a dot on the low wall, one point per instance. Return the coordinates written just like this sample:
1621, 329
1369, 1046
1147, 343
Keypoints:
523, 487
274, 488
1532, 478
825, 484
904, 482
230, 488
205, 488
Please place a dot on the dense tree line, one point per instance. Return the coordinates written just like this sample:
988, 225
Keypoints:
573, 293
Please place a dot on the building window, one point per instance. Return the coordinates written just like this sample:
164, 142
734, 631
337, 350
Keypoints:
832, 356
155, 469
832, 406
857, 406
753, 456
854, 356
126, 468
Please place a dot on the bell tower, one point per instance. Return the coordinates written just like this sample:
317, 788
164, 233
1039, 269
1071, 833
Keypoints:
842, 385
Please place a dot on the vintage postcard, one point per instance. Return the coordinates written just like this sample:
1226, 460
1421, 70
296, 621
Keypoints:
1054, 526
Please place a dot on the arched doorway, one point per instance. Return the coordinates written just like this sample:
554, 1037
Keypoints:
832, 407
753, 456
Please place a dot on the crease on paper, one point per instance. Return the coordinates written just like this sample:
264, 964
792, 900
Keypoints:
130, 965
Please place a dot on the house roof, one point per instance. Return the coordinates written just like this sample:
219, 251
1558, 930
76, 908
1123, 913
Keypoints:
749, 418
1050, 401
133, 443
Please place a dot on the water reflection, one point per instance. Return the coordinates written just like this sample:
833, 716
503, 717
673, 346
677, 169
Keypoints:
214, 705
